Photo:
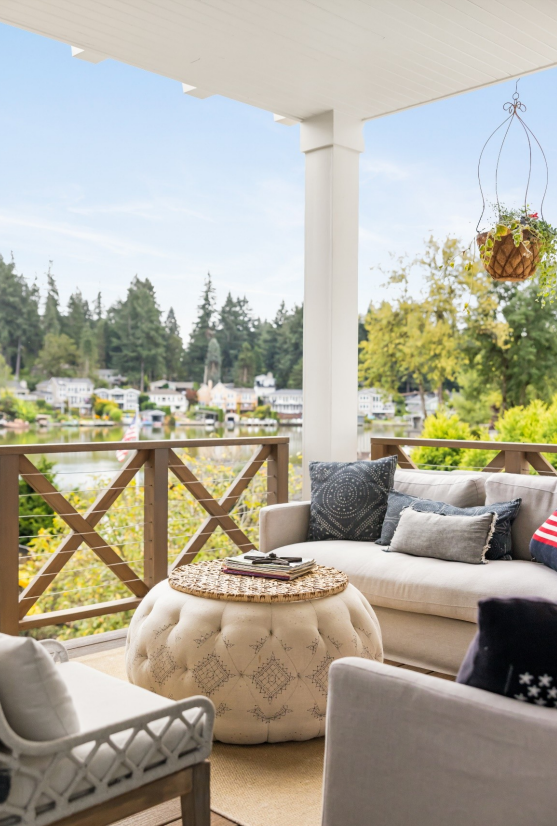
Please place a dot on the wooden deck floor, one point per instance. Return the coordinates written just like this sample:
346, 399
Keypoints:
168, 814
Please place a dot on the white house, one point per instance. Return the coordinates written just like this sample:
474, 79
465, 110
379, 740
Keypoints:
173, 399
265, 384
375, 403
66, 393
289, 404
127, 398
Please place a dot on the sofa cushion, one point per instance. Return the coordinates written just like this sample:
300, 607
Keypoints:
430, 586
453, 538
500, 545
539, 500
462, 490
349, 499
513, 652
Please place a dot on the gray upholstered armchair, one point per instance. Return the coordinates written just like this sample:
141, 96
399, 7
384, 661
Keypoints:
408, 749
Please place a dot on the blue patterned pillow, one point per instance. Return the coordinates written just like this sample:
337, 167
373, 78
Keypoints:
349, 499
500, 546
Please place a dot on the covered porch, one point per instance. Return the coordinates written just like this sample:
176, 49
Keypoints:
328, 68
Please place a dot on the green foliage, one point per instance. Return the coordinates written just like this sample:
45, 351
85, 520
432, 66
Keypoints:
35, 515
20, 328
133, 339
418, 341
244, 371
263, 411
58, 356
138, 336
441, 426
203, 328
235, 327
13, 408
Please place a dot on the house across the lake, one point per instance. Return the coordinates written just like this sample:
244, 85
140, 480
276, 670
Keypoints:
64, 393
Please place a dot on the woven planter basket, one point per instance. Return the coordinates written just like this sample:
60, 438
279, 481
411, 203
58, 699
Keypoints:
511, 263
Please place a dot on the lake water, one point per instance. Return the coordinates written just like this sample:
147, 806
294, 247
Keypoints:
79, 467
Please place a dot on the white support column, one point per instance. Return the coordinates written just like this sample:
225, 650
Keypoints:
332, 143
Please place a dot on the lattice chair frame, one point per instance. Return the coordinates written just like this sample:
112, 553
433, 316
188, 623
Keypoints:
101, 773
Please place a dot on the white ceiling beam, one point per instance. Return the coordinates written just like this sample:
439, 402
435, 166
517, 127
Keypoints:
286, 120
90, 55
195, 92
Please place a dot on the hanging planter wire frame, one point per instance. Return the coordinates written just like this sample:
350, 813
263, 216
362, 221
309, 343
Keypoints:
513, 250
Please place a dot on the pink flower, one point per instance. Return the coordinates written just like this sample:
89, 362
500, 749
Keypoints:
533, 215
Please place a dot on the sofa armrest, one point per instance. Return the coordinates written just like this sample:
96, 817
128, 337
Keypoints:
407, 748
281, 525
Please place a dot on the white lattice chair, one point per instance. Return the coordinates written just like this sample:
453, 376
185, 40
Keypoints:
134, 750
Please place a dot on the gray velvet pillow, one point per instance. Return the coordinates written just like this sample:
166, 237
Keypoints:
349, 499
454, 538
500, 546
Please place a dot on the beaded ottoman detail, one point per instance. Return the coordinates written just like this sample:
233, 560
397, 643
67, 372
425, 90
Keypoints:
264, 664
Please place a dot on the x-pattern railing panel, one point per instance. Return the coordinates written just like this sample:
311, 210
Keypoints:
82, 530
154, 460
219, 510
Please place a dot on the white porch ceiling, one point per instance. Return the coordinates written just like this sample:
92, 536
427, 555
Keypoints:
300, 57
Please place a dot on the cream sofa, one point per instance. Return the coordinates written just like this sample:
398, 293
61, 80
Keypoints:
427, 607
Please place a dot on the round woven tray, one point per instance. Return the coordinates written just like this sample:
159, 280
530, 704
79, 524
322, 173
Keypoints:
206, 579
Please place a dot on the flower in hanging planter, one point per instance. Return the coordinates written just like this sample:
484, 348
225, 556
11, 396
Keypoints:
533, 215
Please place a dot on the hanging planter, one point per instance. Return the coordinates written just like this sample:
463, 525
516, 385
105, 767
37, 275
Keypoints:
520, 243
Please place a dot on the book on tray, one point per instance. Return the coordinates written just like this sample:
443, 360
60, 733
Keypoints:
268, 566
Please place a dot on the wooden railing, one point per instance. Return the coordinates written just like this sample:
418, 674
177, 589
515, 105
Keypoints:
157, 460
511, 457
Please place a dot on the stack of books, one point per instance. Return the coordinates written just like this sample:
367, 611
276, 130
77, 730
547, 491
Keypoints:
268, 566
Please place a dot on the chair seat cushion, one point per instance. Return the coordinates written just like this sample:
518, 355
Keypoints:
100, 701
430, 586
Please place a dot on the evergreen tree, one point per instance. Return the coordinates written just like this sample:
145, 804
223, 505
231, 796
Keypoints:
213, 362
289, 344
174, 347
235, 327
52, 319
244, 371
20, 328
201, 333
138, 336
88, 350
77, 316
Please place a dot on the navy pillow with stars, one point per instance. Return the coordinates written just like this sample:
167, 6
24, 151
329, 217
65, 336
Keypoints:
514, 652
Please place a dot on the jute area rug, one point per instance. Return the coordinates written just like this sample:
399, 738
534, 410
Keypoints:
268, 785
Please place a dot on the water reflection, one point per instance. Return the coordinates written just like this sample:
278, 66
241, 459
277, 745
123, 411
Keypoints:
78, 467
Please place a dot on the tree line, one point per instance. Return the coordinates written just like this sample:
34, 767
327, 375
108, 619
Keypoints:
493, 344
39, 339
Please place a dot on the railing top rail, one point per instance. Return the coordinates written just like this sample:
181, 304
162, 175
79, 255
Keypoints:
522, 447
147, 444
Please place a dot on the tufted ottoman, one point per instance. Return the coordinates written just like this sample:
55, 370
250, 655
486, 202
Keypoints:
264, 664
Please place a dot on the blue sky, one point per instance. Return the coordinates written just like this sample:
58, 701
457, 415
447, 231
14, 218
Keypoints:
109, 171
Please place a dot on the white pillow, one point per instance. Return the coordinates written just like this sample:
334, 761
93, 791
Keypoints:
33, 696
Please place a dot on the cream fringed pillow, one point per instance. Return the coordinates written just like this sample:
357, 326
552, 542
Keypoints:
33, 695
453, 538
